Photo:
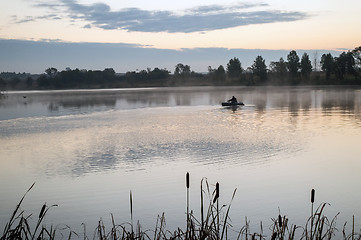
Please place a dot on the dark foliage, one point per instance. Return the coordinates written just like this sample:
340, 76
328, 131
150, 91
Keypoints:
342, 70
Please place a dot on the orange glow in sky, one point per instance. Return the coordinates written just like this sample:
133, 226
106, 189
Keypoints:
261, 25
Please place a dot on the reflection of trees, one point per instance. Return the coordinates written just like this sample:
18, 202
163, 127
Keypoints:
347, 103
80, 101
174, 97
343, 100
88, 102
280, 99
182, 101
293, 104
147, 98
306, 102
299, 99
53, 107
292, 99
261, 104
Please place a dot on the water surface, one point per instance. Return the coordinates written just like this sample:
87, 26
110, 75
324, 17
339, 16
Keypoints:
87, 149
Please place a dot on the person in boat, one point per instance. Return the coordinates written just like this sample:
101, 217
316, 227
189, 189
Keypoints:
232, 100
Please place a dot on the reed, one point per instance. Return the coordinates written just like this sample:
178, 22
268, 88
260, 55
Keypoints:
213, 224
215, 200
312, 201
187, 186
131, 210
281, 229
319, 226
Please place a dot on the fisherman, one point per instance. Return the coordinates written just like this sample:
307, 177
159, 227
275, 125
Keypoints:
232, 100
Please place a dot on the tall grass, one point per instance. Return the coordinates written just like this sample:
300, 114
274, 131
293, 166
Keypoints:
18, 227
212, 224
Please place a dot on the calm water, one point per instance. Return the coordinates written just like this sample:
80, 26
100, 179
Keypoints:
86, 150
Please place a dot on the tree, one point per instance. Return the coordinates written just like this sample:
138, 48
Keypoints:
51, 72
108, 75
280, 70
234, 68
178, 67
345, 64
183, 70
109, 71
357, 56
327, 64
186, 70
158, 73
217, 75
293, 63
220, 70
306, 66
279, 67
259, 68
2, 84
315, 61
220, 74
13, 82
29, 82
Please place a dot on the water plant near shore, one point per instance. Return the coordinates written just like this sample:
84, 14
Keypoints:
214, 224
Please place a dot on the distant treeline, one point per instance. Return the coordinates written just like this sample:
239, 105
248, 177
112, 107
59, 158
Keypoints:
344, 69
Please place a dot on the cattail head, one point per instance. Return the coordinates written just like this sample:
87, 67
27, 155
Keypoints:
280, 221
131, 202
312, 195
217, 193
187, 180
42, 211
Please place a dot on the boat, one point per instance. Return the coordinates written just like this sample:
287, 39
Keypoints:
229, 104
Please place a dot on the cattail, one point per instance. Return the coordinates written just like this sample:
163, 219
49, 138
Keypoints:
280, 221
188, 221
312, 201
217, 193
131, 209
131, 202
312, 195
42, 210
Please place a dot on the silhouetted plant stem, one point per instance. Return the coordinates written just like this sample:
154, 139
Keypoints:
202, 213
312, 216
131, 209
216, 200
187, 186
227, 213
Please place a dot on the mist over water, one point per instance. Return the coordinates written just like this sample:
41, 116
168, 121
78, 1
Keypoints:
87, 149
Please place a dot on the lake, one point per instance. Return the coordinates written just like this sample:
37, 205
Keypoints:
87, 149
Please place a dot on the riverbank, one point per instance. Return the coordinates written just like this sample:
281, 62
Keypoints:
88, 79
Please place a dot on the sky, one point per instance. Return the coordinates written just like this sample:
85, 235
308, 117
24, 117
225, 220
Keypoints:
136, 34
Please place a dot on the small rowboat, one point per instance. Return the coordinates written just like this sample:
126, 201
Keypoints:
230, 104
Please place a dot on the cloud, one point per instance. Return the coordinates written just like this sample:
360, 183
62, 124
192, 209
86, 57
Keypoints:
198, 19
35, 18
33, 56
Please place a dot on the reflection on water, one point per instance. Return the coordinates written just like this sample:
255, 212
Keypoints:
84, 101
131, 140
87, 149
